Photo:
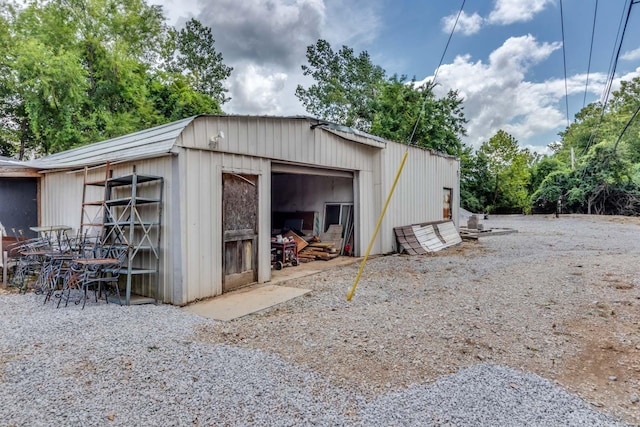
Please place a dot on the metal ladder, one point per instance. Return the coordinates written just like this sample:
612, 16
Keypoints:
92, 215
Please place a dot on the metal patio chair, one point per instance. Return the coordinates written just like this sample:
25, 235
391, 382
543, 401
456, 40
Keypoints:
26, 258
98, 273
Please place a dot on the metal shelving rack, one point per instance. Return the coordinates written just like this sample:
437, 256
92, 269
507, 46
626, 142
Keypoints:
133, 217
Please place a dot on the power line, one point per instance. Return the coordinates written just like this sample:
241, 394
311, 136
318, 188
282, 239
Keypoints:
448, 41
615, 147
613, 66
433, 82
564, 61
612, 71
616, 58
593, 32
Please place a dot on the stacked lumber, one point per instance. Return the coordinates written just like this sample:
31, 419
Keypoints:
319, 250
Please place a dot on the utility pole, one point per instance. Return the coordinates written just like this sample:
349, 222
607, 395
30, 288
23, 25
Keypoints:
573, 159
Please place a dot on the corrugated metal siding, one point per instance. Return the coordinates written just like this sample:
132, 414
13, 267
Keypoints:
419, 192
289, 140
61, 199
418, 196
249, 145
366, 211
62, 204
202, 218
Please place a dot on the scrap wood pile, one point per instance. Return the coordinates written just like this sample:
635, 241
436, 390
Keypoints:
319, 250
327, 246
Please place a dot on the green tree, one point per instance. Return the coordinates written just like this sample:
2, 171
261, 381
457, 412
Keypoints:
602, 173
194, 56
11, 109
581, 134
177, 100
79, 71
554, 186
345, 85
508, 168
403, 110
592, 126
475, 181
350, 90
605, 178
624, 104
602, 183
541, 169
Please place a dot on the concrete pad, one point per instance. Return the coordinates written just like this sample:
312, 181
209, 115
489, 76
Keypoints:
244, 301
286, 274
305, 269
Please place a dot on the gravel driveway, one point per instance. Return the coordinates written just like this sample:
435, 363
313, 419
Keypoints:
540, 327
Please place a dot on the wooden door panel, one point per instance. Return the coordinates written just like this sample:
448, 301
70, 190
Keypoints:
240, 223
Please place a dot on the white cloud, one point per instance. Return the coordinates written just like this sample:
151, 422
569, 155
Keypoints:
631, 55
352, 23
507, 12
545, 151
178, 11
504, 12
626, 77
497, 95
257, 90
467, 24
273, 32
519, 53
265, 42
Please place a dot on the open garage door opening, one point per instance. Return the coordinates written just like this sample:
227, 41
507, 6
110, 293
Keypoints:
317, 206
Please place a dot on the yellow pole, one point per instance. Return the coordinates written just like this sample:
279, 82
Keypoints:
375, 232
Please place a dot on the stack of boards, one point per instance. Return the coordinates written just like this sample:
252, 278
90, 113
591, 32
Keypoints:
319, 250
329, 246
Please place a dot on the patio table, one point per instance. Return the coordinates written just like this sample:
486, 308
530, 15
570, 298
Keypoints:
49, 231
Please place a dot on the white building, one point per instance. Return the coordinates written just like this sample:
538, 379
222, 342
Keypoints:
261, 171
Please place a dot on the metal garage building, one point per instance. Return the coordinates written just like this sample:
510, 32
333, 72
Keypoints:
229, 179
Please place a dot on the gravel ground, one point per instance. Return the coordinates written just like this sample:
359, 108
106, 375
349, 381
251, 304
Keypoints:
540, 327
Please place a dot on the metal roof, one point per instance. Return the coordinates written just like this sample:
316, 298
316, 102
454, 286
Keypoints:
354, 135
160, 140
143, 144
153, 142
7, 161
361, 137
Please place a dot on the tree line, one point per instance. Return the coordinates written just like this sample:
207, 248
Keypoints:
602, 175
74, 72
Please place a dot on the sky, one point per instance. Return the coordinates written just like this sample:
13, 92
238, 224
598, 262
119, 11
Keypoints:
505, 57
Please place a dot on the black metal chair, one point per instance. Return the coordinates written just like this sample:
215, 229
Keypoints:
97, 272
26, 259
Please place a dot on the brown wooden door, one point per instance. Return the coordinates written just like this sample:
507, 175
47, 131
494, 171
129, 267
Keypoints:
446, 203
240, 230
